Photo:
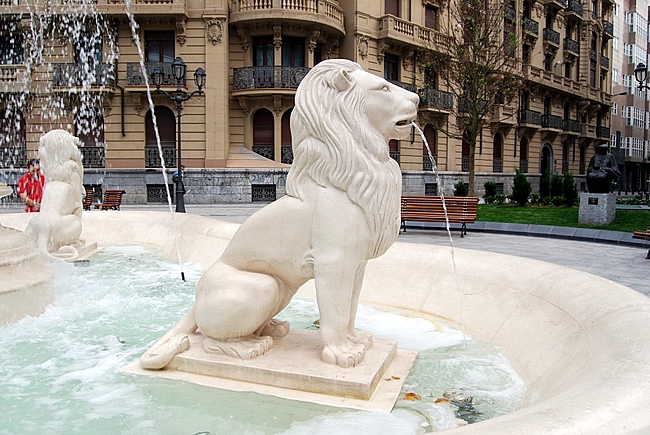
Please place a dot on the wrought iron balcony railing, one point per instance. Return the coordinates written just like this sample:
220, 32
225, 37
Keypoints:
575, 6
464, 164
603, 132
531, 26
571, 125
552, 121
572, 46
268, 77
497, 165
152, 157
430, 97
523, 166
551, 36
394, 155
427, 165
265, 151
136, 77
407, 86
93, 156
604, 62
530, 117
83, 75
593, 54
608, 28
510, 14
286, 155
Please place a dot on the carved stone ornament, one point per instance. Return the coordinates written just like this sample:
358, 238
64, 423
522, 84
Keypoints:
381, 52
243, 37
181, 37
407, 57
136, 101
237, 297
540, 11
214, 31
362, 46
244, 105
277, 104
559, 21
332, 46
313, 40
277, 36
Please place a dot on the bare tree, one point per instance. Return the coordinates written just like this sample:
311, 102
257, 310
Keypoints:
477, 64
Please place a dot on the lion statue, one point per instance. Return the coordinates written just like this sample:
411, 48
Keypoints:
342, 209
57, 227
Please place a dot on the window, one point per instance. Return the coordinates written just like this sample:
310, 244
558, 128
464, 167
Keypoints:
88, 49
525, 55
615, 75
263, 52
285, 140
12, 50
89, 127
548, 62
614, 108
167, 131
391, 67
391, 7
263, 133
159, 47
293, 52
431, 17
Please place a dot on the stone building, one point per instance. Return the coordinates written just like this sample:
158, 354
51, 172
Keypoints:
84, 68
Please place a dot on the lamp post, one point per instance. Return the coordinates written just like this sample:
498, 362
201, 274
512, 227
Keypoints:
179, 70
641, 75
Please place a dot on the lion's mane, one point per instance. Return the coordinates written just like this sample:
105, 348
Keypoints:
335, 144
60, 158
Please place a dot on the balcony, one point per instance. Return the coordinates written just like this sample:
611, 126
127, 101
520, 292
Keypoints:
572, 46
406, 32
608, 28
152, 157
571, 126
138, 7
464, 162
136, 77
255, 78
93, 156
497, 165
555, 5
531, 27
504, 115
604, 62
436, 99
523, 165
603, 132
593, 54
71, 75
408, 86
530, 117
325, 14
394, 155
551, 36
510, 14
13, 157
12, 78
427, 165
575, 8
552, 122
266, 151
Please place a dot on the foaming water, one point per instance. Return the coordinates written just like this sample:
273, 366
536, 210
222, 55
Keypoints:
59, 373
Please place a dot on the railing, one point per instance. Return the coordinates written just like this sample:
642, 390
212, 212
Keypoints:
327, 8
552, 121
571, 125
464, 164
408, 86
9, 73
265, 151
430, 97
531, 26
530, 117
572, 46
608, 28
593, 54
603, 132
78, 74
523, 166
604, 62
575, 6
93, 156
13, 157
268, 77
135, 76
497, 165
394, 155
409, 31
565, 167
510, 14
152, 157
286, 155
551, 35
562, 3
427, 165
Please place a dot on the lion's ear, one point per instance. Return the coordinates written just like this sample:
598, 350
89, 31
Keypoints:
342, 80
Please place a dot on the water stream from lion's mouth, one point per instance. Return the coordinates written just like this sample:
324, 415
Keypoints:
434, 165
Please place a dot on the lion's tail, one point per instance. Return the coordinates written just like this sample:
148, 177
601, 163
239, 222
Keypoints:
175, 341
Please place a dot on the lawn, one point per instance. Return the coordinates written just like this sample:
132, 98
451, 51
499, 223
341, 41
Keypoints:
626, 220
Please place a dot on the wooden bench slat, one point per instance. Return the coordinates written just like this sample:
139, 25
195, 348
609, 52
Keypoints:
112, 200
460, 209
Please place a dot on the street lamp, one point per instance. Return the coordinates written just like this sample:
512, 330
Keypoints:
641, 75
179, 70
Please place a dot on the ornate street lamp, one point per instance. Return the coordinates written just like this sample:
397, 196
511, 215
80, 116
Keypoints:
179, 70
641, 75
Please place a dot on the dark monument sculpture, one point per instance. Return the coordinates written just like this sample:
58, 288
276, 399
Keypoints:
602, 171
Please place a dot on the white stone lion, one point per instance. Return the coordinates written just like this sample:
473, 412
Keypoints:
342, 208
57, 227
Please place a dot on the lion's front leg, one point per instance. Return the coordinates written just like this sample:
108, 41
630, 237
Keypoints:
360, 337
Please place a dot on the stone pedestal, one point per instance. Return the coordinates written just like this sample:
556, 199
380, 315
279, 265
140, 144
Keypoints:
597, 208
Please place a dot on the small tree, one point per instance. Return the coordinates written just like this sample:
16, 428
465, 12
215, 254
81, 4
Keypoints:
460, 189
522, 188
545, 185
569, 190
490, 191
556, 185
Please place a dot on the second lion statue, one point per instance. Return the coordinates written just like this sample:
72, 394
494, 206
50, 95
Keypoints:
342, 209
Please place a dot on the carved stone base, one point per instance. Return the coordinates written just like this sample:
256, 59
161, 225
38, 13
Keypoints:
293, 369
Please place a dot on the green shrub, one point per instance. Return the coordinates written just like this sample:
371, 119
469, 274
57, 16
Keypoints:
522, 188
489, 199
499, 199
490, 188
569, 190
557, 201
535, 198
460, 189
545, 185
556, 186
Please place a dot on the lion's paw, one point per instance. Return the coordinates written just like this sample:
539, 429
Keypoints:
350, 357
277, 329
242, 348
361, 337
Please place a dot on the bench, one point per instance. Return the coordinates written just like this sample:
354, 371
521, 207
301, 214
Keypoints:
643, 235
112, 200
460, 210
88, 199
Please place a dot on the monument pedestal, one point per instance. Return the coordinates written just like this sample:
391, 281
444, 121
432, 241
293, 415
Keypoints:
293, 369
597, 208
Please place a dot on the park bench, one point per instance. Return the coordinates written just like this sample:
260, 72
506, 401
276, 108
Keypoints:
643, 235
88, 199
460, 210
112, 200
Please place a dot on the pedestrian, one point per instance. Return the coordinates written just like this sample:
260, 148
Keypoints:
175, 178
30, 186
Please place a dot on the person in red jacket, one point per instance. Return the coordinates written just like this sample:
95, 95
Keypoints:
30, 186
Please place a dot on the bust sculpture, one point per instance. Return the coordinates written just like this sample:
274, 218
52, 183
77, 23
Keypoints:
342, 209
602, 171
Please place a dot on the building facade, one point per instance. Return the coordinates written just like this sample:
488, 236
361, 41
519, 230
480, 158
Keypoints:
87, 73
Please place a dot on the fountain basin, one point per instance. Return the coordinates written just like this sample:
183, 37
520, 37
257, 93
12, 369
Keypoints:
580, 341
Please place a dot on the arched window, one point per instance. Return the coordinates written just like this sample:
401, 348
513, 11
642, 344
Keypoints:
546, 163
286, 151
263, 133
523, 154
166, 123
432, 139
497, 154
13, 148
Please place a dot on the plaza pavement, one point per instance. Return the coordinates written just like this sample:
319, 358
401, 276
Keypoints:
610, 254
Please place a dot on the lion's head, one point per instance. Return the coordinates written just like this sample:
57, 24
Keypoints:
341, 124
60, 157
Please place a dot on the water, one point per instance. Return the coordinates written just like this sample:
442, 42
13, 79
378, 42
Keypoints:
60, 372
